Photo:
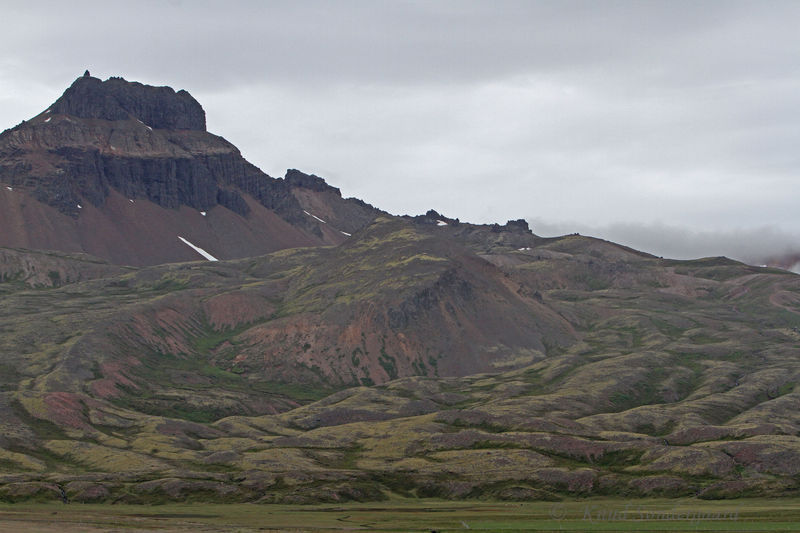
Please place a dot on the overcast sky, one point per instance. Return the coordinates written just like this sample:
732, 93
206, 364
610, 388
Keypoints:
670, 126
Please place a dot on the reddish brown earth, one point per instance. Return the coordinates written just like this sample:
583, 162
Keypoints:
143, 233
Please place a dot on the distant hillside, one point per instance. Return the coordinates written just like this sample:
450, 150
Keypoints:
415, 358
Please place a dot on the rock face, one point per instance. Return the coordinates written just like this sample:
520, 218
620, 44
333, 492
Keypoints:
150, 144
311, 182
199, 181
117, 99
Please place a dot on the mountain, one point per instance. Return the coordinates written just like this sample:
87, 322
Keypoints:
418, 356
120, 170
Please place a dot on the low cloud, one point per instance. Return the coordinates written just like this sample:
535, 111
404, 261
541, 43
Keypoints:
751, 245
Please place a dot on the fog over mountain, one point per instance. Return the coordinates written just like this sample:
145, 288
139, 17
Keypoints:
748, 245
580, 114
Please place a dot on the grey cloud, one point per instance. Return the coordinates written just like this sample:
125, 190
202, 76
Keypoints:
208, 44
751, 245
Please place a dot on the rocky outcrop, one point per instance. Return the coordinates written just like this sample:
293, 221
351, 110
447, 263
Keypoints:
118, 99
200, 182
150, 143
103, 143
295, 178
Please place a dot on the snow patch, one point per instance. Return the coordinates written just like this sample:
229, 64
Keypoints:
48, 119
203, 213
198, 250
314, 216
10, 188
441, 223
47, 111
80, 206
130, 200
523, 249
345, 233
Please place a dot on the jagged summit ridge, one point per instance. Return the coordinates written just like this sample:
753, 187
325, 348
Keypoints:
119, 99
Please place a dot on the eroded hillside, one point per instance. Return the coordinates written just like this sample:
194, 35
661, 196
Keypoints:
418, 357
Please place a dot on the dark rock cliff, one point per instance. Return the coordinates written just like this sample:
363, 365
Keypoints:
118, 99
146, 142
295, 178
200, 182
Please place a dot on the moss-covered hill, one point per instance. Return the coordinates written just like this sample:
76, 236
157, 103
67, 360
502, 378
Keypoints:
417, 358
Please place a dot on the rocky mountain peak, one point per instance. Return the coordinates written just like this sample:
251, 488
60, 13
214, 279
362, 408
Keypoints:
119, 99
296, 178
120, 170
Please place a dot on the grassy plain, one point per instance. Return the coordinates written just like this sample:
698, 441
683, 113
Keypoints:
608, 515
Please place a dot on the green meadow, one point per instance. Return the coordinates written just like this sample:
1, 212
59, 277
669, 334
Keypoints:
607, 515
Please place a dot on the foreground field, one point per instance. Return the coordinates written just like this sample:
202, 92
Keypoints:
414, 515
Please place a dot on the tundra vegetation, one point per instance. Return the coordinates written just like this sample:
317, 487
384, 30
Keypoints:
413, 361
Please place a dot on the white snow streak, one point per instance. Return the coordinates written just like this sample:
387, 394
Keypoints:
345, 233
441, 223
48, 119
523, 249
314, 216
10, 188
130, 200
80, 206
203, 213
198, 250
